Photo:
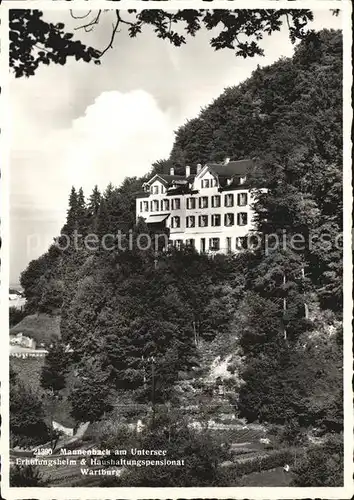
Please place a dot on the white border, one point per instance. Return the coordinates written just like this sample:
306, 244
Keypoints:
177, 4
345, 492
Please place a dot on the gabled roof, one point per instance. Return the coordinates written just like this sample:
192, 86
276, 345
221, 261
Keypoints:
232, 169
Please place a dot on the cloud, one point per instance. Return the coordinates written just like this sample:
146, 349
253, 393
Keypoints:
119, 135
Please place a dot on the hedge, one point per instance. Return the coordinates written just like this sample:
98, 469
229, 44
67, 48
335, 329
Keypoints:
273, 460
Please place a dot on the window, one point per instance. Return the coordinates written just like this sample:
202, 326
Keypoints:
228, 245
241, 243
229, 220
242, 218
216, 220
141, 206
162, 190
145, 206
229, 200
175, 204
203, 220
242, 180
178, 244
202, 245
190, 221
155, 206
206, 183
190, 243
242, 199
216, 201
175, 222
155, 189
214, 244
191, 203
203, 202
165, 204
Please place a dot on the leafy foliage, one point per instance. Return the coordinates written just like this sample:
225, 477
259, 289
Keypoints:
34, 42
27, 425
55, 367
21, 476
89, 394
322, 465
202, 456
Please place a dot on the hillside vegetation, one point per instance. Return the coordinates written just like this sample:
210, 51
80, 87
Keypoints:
119, 309
43, 328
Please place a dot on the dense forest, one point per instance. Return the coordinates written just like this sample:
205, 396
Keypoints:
120, 309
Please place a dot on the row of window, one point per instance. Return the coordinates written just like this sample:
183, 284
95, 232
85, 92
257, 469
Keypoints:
208, 183
215, 220
214, 244
203, 202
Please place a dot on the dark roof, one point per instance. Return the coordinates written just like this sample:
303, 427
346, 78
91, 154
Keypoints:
231, 169
169, 178
142, 194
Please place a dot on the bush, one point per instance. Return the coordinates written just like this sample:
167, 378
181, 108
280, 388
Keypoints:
275, 459
15, 316
321, 465
25, 476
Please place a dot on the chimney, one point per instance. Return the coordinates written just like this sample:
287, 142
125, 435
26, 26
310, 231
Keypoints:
199, 167
172, 171
226, 161
188, 171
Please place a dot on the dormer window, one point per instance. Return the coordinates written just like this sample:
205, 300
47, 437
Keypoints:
242, 180
229, 182
206, 183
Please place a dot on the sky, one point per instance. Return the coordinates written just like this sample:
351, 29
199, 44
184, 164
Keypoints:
82, 124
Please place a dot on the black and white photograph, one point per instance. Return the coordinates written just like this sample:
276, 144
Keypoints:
179, 196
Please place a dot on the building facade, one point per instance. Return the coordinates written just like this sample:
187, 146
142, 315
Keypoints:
211, 209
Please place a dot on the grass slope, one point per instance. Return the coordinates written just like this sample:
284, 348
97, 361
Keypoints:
43, 328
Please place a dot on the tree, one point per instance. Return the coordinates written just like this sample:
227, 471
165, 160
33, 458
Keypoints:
28, 475
15, 316
53, 376
27, 425
89, 395
77, 217
321, 465
93, 207
201, 454
34, 42
71, 217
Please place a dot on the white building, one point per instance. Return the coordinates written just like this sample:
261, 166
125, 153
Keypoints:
211, 209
